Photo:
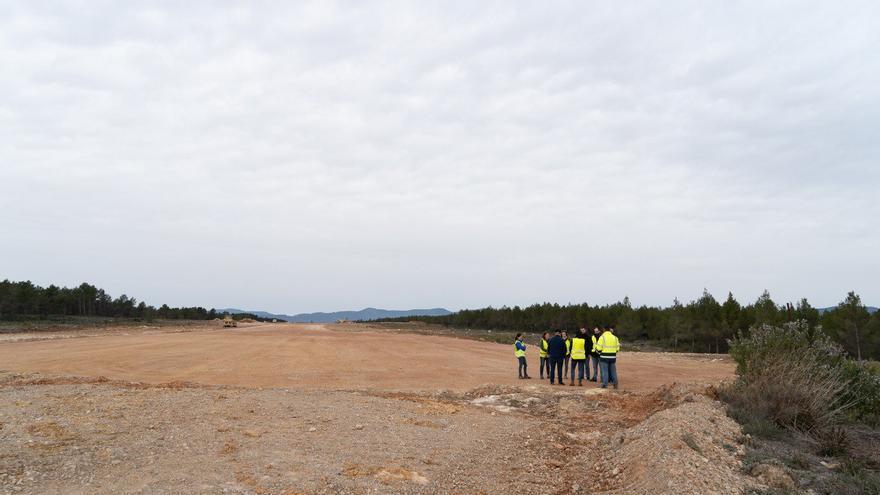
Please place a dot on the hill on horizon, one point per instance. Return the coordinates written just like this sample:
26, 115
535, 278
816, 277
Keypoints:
365, 314
871, 309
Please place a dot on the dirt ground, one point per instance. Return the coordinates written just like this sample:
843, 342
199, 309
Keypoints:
309, 409
319, 356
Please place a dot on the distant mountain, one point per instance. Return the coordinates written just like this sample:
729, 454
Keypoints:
365, 314
871, 309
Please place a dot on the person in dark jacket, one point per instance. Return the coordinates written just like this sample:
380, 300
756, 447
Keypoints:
594, 354
567, 352
556, 350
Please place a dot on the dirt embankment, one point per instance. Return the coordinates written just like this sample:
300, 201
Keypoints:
64, 435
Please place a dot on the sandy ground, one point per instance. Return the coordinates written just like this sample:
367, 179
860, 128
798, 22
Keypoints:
320, 356
300, 409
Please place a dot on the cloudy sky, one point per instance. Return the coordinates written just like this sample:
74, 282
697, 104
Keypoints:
294, 156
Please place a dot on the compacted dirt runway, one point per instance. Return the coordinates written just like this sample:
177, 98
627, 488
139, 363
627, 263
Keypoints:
321, 356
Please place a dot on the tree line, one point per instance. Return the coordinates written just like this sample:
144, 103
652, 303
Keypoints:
703, 325
20, 300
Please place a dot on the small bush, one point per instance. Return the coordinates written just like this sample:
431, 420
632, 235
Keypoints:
832, 441
753, 457
754, 424
852, 479
799, 460
863, 392
762, 428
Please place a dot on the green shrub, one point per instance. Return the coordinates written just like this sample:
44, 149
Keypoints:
762, 428
791, 376
754, 424
797, 378
799, 460
768, 343
753, 457
863, 392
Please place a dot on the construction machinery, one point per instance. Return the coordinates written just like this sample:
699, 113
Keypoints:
228, 322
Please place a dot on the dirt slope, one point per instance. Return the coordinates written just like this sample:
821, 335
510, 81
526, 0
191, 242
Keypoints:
67, 435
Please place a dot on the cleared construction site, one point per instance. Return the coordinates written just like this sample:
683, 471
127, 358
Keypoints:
347, 408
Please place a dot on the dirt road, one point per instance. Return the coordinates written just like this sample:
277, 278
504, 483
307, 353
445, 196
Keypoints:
320, 356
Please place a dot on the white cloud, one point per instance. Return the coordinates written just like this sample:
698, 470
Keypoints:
332, 156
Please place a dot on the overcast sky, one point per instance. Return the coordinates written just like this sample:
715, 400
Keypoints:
294, 156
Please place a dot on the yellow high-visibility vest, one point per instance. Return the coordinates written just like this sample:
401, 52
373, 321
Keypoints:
578, 348
517, 351
595, 339
567, 347
543, 351
608, 345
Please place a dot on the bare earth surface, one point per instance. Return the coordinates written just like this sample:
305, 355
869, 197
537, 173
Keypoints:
317, 356
300, 409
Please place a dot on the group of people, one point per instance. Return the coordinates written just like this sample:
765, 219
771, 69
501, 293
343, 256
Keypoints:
560, 353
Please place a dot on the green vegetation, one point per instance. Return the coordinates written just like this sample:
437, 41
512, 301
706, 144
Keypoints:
853, 479
799, 378
704, 325
789, 376
804, 401
24, 301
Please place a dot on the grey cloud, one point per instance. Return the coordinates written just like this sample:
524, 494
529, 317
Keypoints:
338, 155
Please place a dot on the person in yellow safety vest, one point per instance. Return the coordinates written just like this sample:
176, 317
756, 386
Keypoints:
519, 350
608, 345
567, 353
594, 354
579, 356
545, 363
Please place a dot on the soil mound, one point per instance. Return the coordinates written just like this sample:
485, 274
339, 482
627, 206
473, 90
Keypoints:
692, 448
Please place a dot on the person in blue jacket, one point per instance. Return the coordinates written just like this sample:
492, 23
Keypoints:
520, 353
